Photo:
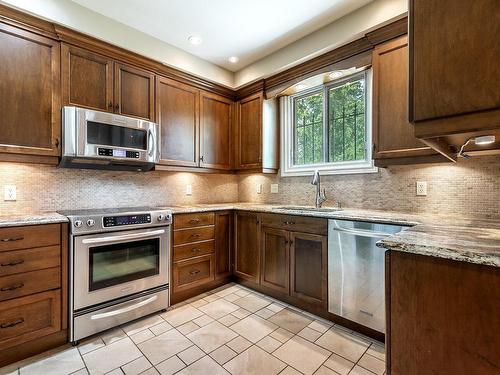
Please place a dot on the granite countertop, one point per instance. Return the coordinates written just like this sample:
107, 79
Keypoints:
462, 239
31, 219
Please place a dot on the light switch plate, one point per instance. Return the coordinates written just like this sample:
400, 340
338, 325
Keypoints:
274, 188
421, 188
259, 188
189, 189
10, 193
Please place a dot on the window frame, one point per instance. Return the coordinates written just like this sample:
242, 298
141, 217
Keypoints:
287, 138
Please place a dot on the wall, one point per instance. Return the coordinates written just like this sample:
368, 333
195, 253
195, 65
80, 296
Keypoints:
47, 188
471, 188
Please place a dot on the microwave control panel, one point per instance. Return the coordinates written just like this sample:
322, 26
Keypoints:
117, 153
114, 221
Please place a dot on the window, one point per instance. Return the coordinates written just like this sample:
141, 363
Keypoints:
328, 128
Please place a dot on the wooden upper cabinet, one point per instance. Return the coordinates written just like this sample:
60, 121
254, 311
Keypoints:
247, 249
29, 93
275, 272
215, 131
178, 116
394, 141
87, 79
249, 132
454, 74
134, 92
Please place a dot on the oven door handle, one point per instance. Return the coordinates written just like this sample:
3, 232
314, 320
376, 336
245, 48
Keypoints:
123, 237
124, 309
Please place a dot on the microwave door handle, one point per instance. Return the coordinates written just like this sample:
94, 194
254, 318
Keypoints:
122, 237
150, 143
124, 309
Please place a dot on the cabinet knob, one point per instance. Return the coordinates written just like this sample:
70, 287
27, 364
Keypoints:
110, 106
202, 158
117, 108
195, 272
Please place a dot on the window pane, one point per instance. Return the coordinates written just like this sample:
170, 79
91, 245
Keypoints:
347, 122
308, 130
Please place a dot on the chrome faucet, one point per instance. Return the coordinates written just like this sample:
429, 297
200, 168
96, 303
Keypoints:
320, 198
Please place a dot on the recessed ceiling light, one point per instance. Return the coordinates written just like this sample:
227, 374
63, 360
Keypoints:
300, 86
484, 140
336, 74
195, 39
233, 59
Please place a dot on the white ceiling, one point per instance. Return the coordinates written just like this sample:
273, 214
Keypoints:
249, 29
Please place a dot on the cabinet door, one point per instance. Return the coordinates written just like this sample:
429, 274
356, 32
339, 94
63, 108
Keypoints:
308, 266
134, 92
275, 272
454, 55
223, 243
30, 106
178, 116
393, 135
87, 79
249, 132
215, 131
247, 253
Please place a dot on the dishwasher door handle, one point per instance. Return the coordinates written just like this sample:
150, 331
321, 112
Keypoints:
363, 233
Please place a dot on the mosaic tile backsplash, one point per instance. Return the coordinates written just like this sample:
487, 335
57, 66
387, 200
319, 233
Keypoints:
470, 187
47, 188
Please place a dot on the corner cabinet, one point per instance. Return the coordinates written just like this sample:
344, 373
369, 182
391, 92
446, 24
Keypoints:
257, 134
98, 82
394, 141
247, 250
30, 103
275, 251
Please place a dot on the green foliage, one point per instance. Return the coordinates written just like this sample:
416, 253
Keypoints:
346, 125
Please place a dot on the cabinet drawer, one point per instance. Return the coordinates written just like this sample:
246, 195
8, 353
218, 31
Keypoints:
193, 250
25, 319
296, 223
22, 284
12, 262
193, 220
193, 235
15, 238
193, 272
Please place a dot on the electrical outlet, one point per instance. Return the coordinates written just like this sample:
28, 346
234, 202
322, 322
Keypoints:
422, 188
10, 193
274, 188
259, 188
189, 189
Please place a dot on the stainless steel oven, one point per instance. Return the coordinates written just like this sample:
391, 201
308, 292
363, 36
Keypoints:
119, 267
100, 140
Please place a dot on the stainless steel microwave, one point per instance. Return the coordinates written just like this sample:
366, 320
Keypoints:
100, 140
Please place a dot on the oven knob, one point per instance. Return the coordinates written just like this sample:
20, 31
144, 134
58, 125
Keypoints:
78, 223
90, 222
161, 217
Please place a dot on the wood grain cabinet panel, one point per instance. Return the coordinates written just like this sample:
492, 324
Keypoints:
308, 267
193, 272
87, 79
22, 284
30, 103
14, 238
247, 251
191, 250
13, 262
223, 243
199, 219
215, 131
134, 92
249, 139
275, 250
394, 141
185, 236
178, 116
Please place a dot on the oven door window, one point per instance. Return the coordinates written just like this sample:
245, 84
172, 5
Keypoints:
116, 136
120, 263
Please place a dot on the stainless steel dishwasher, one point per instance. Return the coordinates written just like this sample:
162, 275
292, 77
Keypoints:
356, 289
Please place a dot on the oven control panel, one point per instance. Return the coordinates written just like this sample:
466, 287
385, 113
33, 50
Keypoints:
117, 153
114, 221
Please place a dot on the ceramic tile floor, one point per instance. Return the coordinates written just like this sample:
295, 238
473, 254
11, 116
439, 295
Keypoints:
231, 330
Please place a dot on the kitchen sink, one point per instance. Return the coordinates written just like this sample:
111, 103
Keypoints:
304, 208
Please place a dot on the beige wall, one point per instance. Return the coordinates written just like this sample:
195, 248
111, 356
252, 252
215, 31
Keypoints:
46, 188
471, 188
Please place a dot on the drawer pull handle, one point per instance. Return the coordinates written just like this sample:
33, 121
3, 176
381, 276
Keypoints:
196, 235
12, 324
288, 222
13, 263
13, 287
195, 272
12, 239
196, 250
194, 221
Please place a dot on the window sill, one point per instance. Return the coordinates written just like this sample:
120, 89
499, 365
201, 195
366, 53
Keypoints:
326, 170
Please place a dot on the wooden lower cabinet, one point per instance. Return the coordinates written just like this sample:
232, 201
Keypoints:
223, 243
192, 272
275, 272
442, 316
247, 253
308, 267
